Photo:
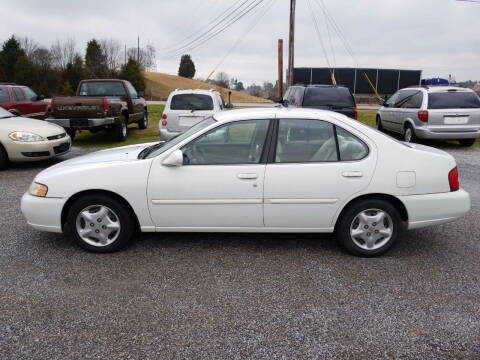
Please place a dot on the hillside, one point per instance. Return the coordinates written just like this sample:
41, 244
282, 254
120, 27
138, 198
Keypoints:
160, 85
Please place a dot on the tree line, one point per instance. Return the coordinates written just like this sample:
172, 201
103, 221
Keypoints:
58, 69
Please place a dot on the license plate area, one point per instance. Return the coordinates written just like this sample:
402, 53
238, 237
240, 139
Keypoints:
78, 122
455, 120
189, 120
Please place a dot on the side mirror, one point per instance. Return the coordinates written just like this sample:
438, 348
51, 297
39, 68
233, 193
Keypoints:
141, 94
40, 97
229, 106
174, 159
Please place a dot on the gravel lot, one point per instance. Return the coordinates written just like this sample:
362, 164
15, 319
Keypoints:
176, 296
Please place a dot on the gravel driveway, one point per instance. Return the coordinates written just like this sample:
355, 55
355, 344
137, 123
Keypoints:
232, 296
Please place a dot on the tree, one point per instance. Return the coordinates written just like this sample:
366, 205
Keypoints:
63, 52
111, 49
25, 72
254, 90
95, 61
11, 52
29, 46
131, 71
73, 73
222, 79
144, 57
67, 89
239, 86
187, 67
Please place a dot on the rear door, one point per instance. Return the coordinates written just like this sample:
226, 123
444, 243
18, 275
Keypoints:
408, 104
309, 180
21, 101
455, 110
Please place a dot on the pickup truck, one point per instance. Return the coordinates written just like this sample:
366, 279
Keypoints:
100, 104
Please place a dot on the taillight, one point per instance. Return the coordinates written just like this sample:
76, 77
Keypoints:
164, 116
423, 115
453, 179
355, 115
105, 105
52, 104
164, 122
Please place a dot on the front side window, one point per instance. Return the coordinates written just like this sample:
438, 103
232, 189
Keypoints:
392, 100
405, 97
30, 94
239, 142
191, 102
414, 101
131, 89
305, 141
18, 94
102, 88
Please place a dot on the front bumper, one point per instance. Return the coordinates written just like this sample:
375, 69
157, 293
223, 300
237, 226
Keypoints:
40, 150
43, 213
82, 123
430, 209
447, 132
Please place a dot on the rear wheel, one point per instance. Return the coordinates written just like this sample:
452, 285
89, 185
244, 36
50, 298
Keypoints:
3, 158
143, 124
466, 142
99, 223
369, 227
71, 132
409, 134
379, 123
120, 130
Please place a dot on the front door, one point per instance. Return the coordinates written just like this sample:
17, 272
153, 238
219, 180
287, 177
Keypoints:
311, 177
219, 185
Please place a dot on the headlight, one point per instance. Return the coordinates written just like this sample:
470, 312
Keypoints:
24, 136
37, 189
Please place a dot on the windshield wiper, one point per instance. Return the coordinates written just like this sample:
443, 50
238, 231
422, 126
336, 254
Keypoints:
144, 153
6, 117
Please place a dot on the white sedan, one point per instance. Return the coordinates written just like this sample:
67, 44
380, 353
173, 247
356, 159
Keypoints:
257, 170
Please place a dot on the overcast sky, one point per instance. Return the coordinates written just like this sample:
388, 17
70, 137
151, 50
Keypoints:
439, 37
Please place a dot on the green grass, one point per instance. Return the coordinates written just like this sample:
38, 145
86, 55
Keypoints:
103, 139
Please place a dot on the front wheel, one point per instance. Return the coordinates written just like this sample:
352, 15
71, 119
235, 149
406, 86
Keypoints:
100, 224
369, 227
143, 124
120, 129
3, 158
467, 142
71, 132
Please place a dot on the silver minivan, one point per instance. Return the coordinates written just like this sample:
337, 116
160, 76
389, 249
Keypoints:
436, 112
185, 108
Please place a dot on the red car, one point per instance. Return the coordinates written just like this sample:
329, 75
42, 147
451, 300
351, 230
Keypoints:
22, 101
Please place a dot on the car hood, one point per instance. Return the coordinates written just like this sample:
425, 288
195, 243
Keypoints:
34, 126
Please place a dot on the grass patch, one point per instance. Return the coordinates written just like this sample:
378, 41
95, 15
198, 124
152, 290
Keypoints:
104, 139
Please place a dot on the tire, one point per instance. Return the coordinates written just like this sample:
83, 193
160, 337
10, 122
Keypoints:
4, 161
356, 229
120, 129
467, 142
111, 225
379, 123
71, 132
409, 134
143, 124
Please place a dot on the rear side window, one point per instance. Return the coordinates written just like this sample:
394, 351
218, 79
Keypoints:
4, 97
411, 99
351, 148
328, 96
191, 102
453, 100
18, 94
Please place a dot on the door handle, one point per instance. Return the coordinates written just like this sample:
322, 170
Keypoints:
247, 176
352, 174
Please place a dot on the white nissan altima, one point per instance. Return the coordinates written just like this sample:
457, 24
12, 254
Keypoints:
257, 170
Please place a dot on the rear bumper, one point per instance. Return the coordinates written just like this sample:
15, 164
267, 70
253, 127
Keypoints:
36, 151
167, 135
82, 123
427, 132
43, 213
431, 209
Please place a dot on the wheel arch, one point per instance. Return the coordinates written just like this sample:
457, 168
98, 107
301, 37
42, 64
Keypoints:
399, 205
112, 194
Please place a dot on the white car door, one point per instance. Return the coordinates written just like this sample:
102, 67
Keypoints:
219, 185
308, 180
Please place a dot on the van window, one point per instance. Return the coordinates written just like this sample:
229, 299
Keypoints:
191, 102
453, 100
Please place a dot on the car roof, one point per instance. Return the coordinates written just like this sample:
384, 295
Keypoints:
319, 86
195, 91
438, 89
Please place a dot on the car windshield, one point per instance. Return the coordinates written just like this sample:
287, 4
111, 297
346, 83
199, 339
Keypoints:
453, 100
5, 114
159, 148
102, 88
191, 102
328, 96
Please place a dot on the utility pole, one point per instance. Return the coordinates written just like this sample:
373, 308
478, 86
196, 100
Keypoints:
280, 68
138, 49
125, 54
291, 43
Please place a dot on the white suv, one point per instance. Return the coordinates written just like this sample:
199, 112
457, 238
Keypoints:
185, 108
